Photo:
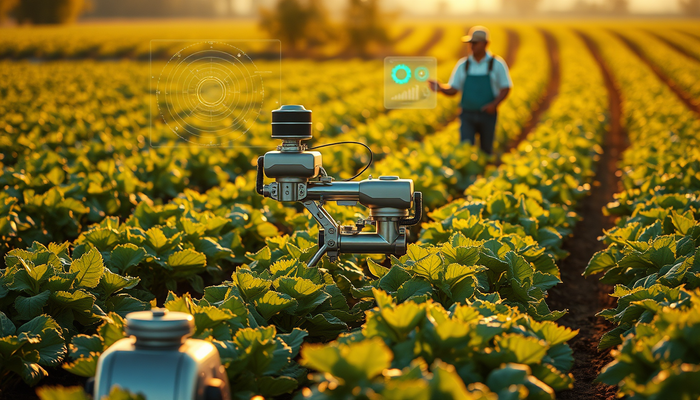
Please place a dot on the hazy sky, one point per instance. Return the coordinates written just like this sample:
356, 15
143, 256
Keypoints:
641, 6
636, 6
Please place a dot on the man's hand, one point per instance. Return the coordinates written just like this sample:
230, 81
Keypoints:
434, 85
489, 108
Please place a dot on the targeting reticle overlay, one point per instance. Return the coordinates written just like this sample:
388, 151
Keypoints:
211, 92
406, 82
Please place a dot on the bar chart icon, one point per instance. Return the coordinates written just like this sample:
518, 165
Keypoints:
406, 82
410, 94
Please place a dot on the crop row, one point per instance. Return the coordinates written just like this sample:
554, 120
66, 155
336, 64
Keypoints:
56, 183
471, 294
49, 165
133, 40
517, 270
684, 41
653, 252
681, 69
447, 176
113, 244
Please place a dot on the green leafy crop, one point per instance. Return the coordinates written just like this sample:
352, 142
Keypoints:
486, 343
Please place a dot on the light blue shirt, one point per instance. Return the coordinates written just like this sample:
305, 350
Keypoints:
500, 77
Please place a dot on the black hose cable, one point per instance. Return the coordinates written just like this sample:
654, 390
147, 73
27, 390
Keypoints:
260, 176
371, 155
418, 210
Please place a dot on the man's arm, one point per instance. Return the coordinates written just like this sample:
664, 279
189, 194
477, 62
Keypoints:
455, 82
493, 106
444, 88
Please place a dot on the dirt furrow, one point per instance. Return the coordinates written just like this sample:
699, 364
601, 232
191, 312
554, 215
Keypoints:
680, 93
438, 33
675, 46
513, 46
585, 297
690, 34
550, 93
403, 35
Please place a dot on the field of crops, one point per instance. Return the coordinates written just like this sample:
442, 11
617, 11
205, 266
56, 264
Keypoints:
565, 266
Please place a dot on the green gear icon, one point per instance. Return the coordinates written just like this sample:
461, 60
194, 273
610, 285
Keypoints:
424, 76
396, 69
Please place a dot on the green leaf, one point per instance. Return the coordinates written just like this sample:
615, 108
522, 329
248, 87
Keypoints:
298, 288
103, 238
89, 269
209, 317
111, 283
403, 318
112, 329
186, 262
600, 262
251, 286
520, 349
123, 304
84, 366
117, 393
462, 255
430, 267
446, 383
62, 393
545, 281
294, 340
7, 328
413, 288
275, 386
682, 224
272, 303
125, 256
352, 363
560, 357
376, 269
30, 307
518, 268
508, 375
324, 325
266, 229
83, 345
551, 332
52, 347
78, 303
392, 281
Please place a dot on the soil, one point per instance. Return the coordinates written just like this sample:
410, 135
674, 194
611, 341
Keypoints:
406, 33
584, 297
513, 46
691, 34
438, 33
675, 46
682, 94
551, 91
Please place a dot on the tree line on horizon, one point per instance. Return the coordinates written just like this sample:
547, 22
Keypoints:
66, 11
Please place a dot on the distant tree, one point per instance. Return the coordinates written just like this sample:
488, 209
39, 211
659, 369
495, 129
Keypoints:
297, 22
443, 7
5, 7
320, 30
365, 24
620, 6
521, 7
49, 11
690, 7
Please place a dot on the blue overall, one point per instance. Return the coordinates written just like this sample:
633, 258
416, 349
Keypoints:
477, 93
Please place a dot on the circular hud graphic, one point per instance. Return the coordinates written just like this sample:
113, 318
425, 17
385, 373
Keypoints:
209, 92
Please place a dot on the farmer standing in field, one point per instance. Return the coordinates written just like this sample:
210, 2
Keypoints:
485, 82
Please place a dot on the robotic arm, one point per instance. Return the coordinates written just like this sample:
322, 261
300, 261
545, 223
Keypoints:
299, 176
